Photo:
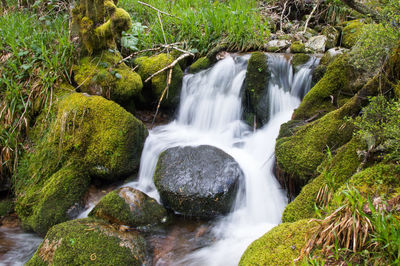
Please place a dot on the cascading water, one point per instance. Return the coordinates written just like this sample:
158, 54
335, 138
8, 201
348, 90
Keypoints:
209, 113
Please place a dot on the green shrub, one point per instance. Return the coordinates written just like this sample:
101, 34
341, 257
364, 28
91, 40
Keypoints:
379, 127
373, 46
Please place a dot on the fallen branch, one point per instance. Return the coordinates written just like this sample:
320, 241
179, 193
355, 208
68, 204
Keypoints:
169, 79
158, 48
170, 66
158, 10
311, 14
283, 12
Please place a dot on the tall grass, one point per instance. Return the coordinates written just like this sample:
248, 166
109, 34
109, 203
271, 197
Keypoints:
35, 55
202, 24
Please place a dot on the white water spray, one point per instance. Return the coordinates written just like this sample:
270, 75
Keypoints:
209, 113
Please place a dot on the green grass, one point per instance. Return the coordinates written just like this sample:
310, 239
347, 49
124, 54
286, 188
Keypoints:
202, 24
35, 56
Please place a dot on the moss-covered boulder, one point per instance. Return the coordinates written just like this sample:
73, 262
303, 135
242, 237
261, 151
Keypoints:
103, 75
298, 156
153, 89
128, 206
46, 203
99, 23
89, 138
255, 89
336, 171
330, 92
197, 181
210, 59
297, 47
351, 33
280, 246
332, 35
299, 59
379, 180
88, 241
200, 64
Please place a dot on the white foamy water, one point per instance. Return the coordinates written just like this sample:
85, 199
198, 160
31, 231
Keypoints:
210, 113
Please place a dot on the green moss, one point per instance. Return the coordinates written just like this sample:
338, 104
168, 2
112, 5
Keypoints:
273, 49
128, 206
154, 88
397, 90
351, 33
336, 171
335, 82
378, 180
300, 59
301, 154
297, 47
91, 137
45, 204
289, 128
280, 246
6, 207
257, 76
99, 75
89, 241
99, 24
318, 73
200, 64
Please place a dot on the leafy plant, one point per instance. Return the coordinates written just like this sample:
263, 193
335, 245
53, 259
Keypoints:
379, 126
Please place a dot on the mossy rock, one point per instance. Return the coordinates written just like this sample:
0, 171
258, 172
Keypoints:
280, 246
380, 180
289, 128
210, 59
44, 204
332, 35
200, 64
100, 75
88, 241
89, 138
153, 89
299, 155
351, 33
128, 206
255, 88
300, 59
335, 83
105, 138
297, 47
337, 169
6, 206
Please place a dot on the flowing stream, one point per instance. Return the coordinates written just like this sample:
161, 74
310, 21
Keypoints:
210, 113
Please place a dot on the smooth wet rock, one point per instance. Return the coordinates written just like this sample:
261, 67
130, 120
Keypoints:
129, 206
90, 242
317, 43
197, 181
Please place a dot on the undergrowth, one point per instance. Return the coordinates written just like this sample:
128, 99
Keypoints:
201, 24
35, 56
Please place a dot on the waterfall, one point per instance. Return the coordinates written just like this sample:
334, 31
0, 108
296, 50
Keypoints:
210, 113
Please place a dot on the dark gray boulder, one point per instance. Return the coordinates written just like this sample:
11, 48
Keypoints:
197, 181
